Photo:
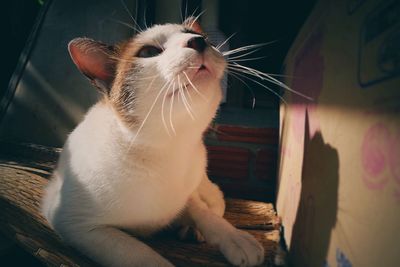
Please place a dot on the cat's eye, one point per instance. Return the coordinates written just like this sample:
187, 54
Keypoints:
149, 51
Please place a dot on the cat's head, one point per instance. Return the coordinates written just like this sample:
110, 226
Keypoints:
168, 75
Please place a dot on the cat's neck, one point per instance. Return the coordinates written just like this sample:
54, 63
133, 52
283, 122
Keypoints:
152, 134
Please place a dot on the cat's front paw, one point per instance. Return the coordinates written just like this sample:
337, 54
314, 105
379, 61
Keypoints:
242, 249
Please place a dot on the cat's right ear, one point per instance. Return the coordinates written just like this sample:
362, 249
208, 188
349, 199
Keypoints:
95, 60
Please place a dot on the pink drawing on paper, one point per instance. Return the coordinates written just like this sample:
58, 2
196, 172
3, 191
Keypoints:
374, 160
380, 158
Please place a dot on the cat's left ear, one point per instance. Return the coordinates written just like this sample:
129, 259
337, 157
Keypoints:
95, 60
192, 23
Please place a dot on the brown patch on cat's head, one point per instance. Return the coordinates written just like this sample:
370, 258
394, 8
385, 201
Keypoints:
107, 67
112, 69
122, 94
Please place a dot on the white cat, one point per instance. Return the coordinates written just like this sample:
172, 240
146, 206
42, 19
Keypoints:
137, 161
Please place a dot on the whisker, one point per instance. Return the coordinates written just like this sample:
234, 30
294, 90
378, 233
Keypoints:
184, 95
245, 48
185, 102
269, 74
263, 85
144, 16
151, 83
188, 92
186, 11
279, 75
216, 50
248, 87
146, 78
197, 17
271, 79
244, 59
124, 23
181, 15
162, 110
130, 15
170, 109
190, 16
243, 55
233, 67
226, 40
194, 87
184, 88
159, 44
194, 11
147, 116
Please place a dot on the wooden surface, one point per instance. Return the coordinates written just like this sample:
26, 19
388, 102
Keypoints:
24, 172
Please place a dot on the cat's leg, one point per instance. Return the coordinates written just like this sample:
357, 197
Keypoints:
239, 247
112, 247
212, 198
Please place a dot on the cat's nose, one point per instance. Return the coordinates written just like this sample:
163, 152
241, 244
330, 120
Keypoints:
197, 43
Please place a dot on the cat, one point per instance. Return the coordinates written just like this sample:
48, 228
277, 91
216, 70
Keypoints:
137, 162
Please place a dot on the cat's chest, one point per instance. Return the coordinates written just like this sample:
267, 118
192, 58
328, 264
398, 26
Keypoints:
156, 189
174, 166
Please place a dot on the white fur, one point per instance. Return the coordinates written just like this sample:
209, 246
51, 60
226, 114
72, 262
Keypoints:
140, 177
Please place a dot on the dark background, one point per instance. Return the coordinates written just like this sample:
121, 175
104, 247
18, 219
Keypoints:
256, 21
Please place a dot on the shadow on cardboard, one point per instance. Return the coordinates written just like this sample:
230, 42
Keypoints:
318, 205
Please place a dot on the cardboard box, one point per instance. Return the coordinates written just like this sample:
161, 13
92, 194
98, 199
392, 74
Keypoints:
339, 177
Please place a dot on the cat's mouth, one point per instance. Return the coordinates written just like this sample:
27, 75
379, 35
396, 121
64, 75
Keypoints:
202, 69
190, 76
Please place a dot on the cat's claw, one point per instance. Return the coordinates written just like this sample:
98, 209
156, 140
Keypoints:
242, 249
